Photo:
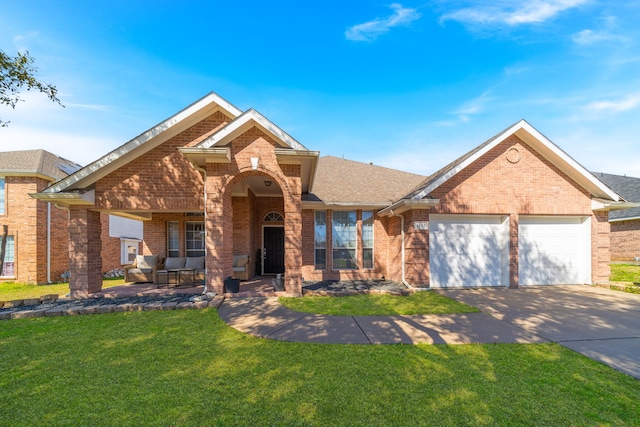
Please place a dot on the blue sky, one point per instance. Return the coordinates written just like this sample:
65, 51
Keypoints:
409, 85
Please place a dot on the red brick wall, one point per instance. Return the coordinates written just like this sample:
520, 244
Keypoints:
625, 240
161, 179
85, 262
27, 222
380, 250
222, 178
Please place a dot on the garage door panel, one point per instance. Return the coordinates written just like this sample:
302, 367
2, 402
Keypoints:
553, 250
468, 251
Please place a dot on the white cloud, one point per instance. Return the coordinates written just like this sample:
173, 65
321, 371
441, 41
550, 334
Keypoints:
618, 106
590, 37
512, 12
372, 29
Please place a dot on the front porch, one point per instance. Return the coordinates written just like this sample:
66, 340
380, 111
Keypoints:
259, 286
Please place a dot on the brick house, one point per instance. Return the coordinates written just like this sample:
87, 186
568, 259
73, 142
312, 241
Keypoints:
38, 235
37, 244
625, 224
216, 181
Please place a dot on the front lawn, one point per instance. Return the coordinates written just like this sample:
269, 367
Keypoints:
188, 368
425, 302
625, 273
14, 291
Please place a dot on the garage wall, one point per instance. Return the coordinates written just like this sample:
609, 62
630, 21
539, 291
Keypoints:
513, 180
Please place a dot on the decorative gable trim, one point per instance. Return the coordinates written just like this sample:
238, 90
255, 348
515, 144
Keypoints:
538, 142
145, 142
243, 123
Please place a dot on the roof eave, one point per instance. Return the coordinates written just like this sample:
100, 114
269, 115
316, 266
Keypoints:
601, 205
86, 198
199, 157
408, 204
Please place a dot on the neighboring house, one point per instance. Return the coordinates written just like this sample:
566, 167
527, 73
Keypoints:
37, 246
38, 235
625, 224
216, 181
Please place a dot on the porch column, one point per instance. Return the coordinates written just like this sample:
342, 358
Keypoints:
85, 261
293, 245
600, 248
514, 224
219, 229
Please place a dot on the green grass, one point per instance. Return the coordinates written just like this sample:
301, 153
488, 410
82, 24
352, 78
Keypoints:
426, 302
188, 368
625, 273
14, 291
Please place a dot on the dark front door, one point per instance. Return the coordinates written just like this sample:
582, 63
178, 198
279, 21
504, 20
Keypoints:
273, 251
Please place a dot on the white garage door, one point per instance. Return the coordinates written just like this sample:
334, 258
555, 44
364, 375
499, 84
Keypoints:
554, 250
468, 250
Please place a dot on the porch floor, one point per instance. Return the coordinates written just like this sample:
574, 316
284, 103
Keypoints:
257, 286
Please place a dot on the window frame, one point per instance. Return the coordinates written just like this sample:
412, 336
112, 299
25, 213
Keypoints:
173, 231
371, 239
320, 239
348, 238
3, 195
194, 252
9, 257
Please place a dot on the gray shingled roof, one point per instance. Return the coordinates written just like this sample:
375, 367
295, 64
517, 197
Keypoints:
626, 186
348, 182
39, 162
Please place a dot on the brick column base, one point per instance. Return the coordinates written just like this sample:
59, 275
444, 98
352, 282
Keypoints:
85, 261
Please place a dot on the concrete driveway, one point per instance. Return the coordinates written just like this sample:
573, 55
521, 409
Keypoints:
601, 324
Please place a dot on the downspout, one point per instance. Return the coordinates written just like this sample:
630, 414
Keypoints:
204, 178
49, 242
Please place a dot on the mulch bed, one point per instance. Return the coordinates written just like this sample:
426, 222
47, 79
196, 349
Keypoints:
341, 287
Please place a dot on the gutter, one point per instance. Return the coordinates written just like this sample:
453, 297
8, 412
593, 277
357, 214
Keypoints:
49, 242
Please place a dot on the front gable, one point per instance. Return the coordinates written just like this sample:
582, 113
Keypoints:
211, 111
512, 177
161, 180
519, 165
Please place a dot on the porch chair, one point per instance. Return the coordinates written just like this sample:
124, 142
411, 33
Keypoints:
241, 267
143, 269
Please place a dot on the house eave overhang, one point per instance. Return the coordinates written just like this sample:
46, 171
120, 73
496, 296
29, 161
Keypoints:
75, 198
199, 157
545, 148
28, 173
404, 205
631, 218
145, 142
308, 161
601, 205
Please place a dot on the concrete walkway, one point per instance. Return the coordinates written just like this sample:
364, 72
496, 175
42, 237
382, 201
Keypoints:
267, 318
598, 323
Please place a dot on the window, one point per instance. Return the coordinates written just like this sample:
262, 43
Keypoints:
173, 238
2, 194
344, 240
195, 239
9, 267
367, 239
320, 240
128, 250
273, 217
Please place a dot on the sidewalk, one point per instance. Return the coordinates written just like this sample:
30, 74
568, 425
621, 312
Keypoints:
267, 318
